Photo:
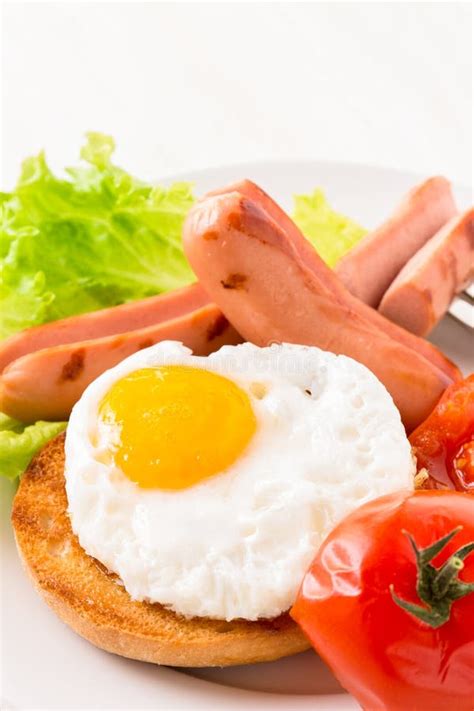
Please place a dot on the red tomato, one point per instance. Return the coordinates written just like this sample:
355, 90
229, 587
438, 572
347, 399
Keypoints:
382, 653
444, 442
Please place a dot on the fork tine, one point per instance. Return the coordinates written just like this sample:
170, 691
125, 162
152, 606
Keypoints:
469, 290
463, 309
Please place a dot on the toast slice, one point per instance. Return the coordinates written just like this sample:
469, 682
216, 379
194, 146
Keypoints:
96, 605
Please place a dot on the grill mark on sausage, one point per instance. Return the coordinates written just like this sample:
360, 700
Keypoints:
118, 341
210, 235
234, 281
145, 344
73, 368
217, 327
234, 219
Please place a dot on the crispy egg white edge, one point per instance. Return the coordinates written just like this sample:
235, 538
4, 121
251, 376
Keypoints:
238, 544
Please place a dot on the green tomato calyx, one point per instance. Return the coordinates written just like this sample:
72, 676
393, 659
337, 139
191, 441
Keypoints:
439, 587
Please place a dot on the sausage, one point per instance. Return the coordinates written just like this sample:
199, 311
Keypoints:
105, 322
272, 286
368, 270
47, 383
296, 242
422, 292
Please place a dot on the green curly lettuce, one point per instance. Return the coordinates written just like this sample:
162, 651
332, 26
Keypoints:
19, 443
332, 234
93, 239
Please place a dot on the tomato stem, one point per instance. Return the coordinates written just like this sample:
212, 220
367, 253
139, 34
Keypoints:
445, 577
438, 588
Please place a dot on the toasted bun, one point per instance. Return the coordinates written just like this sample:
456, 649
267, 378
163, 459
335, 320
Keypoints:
95, 604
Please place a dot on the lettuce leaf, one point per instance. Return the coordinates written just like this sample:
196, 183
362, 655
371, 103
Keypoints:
332, 234
19, 443
96, 238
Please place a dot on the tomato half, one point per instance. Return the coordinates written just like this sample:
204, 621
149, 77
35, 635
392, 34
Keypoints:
360, 606
444, 442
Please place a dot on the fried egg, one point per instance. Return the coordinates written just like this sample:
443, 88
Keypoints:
207, 484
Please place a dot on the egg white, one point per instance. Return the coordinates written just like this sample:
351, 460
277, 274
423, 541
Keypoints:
237, 545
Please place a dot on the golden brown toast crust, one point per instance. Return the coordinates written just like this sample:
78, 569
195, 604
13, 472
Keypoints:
94, 603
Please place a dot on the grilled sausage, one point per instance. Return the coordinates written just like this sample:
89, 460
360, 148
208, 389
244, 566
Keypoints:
47, 383
306, 253
105, 322
368, 270
272, 286
421, 294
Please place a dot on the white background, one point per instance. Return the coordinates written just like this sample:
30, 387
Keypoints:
184, 86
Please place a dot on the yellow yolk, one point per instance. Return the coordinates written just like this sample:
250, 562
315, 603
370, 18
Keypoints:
176, 425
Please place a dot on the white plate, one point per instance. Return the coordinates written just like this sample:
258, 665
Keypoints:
46, 666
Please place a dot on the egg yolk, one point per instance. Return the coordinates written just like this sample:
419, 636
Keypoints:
176, 425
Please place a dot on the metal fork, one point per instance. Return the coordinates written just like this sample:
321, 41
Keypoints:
462, 307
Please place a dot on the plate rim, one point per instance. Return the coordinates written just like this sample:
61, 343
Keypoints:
180, 176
